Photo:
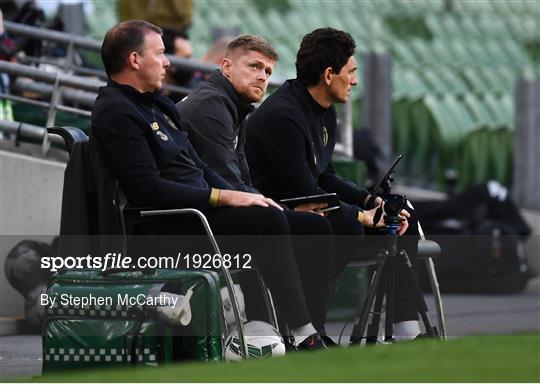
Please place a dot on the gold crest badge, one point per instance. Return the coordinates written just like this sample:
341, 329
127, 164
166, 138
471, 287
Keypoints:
324, 136
154, 126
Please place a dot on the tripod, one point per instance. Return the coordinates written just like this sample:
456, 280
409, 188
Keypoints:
383, 285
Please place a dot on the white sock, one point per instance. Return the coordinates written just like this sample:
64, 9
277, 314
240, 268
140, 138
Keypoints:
406, 330
302, 332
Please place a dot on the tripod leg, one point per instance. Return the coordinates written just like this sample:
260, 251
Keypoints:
372, 333
390, 298
359, 328
418, 297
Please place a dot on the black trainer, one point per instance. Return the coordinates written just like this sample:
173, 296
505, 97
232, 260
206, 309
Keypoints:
313, 342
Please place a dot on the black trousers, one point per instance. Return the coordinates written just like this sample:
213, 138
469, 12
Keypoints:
291, 250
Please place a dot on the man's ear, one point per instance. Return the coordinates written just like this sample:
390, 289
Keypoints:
226, 64
134, 60
328, 75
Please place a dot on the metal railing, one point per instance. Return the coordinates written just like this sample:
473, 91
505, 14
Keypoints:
58, 80
21, 130
74, 41
58, 92
78, 97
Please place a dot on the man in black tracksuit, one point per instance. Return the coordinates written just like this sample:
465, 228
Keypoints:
139, 134
290, 141
214, 115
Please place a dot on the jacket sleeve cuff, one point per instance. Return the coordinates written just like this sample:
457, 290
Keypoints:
214, 197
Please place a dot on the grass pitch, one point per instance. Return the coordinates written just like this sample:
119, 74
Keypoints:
470, 359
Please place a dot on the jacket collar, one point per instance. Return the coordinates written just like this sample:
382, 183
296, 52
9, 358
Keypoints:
243, 107
146, 98
302, 92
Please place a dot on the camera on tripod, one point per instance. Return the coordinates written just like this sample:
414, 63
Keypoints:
383, 289
393, 205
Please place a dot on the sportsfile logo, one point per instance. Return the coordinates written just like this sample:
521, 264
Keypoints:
108, 261
118, 261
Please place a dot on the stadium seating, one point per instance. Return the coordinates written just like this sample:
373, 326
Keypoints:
453, 72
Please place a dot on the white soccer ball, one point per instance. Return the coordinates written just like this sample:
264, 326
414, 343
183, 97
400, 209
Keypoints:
263, 340
228, 312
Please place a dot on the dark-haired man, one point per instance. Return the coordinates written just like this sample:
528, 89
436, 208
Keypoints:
214, 115
290, 141
138, 131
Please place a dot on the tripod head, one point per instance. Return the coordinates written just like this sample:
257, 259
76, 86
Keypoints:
393, 204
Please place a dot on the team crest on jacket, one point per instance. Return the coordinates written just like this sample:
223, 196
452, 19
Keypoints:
154, 126
162, 136
324, 136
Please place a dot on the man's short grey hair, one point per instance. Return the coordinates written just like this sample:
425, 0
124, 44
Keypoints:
253, 43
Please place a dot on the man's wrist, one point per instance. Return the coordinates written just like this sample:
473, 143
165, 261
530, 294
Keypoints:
370, 201
214, 197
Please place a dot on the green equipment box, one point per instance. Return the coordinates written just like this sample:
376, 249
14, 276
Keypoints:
118, 319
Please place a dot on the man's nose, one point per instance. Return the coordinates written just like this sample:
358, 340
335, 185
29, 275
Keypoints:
166, 62
263, 75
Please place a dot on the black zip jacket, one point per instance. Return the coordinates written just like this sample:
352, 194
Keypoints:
290, 140
152, 158
214, 115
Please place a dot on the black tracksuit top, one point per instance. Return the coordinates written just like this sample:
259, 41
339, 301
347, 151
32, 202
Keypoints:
153, 159
290, 140
213, 115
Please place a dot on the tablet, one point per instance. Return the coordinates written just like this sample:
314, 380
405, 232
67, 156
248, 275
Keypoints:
331, 199
378, 188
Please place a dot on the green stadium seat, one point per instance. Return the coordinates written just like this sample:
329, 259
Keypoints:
451, 27
502, 154
514, 51
474, 159
383, 7
479, 111
460, 52
501, 108
454, 82
434, 26
441, 52
403, 53
470, 27
434, 81
462, 118
408, 90
493, 27
501, 7
428, 6
468, 7
476, 82
453, 73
